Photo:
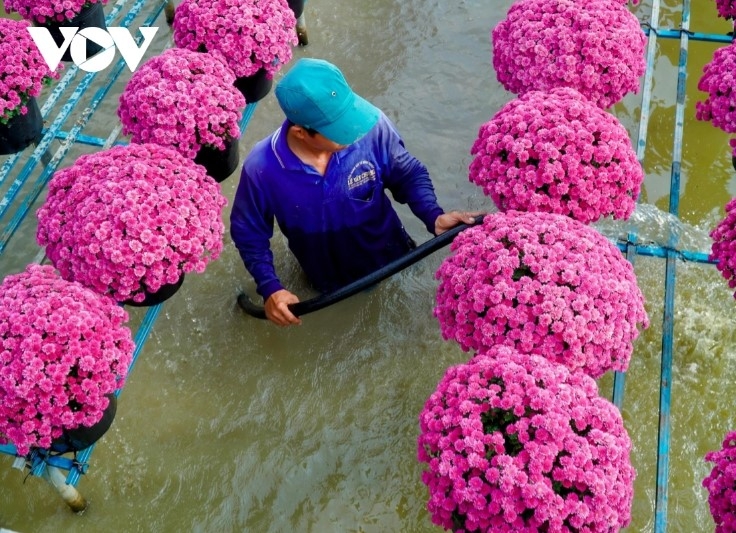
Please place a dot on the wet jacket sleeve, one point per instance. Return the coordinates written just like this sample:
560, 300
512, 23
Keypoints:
408, 179
251, 228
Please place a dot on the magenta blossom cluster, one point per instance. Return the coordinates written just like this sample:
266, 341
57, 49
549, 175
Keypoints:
723, 249
544, 284
23, 71
596, 47
719, 82
131, 219
726, 8
514, 442
63, 348
183, 99
251, 35
721, 485
45, 11
555, 151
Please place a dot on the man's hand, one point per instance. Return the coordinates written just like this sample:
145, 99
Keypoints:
452, 219
277, 310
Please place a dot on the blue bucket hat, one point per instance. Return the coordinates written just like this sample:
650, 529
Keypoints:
314, 94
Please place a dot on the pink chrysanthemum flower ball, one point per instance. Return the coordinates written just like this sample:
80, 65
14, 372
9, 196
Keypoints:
544, 284
131, 219
719, 82
514, 442
46, 11
723, 249
721, 485
23, 71
251, 35
182, 99
596, 47
726, 8
555, 151
63, 349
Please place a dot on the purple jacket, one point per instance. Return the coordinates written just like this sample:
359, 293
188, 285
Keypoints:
340, 226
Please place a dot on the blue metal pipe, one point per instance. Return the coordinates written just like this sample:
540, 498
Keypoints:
43, 179
653, 250
619, 378
693, 36
83, 139
665, 386
646, 97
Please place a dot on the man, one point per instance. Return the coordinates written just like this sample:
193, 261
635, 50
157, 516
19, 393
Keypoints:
322, 176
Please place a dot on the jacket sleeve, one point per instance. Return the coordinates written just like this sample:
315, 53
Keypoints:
251, 228
407, 178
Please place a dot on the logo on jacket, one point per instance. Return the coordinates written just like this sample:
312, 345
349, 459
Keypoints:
365, 172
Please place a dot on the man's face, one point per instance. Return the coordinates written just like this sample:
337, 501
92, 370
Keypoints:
317, 141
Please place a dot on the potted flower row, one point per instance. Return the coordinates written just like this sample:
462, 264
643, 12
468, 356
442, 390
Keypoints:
718, 83
124, 224
549, 151
192, 97
518, 438
119, 225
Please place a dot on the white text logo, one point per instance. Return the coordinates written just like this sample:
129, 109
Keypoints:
76, 42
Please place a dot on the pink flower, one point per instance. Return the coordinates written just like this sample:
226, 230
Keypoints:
19, 55
719, 83
538, 447
252, 35
182, 99
42, 11
556, 152
721, 485
596, 47
543, 284
723, 249
726, 8
66, 350
123, 252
